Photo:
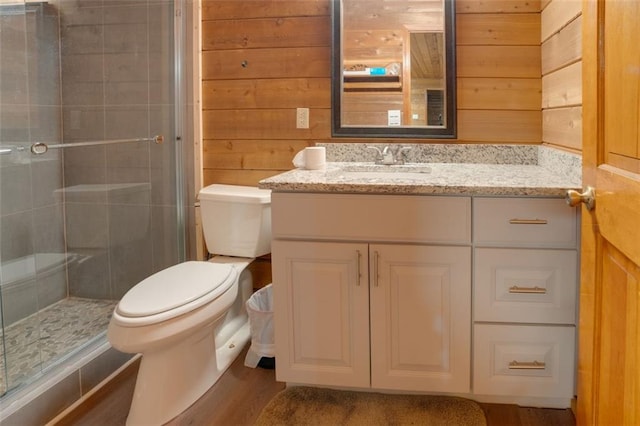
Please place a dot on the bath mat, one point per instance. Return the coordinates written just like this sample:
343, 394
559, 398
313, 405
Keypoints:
314, 406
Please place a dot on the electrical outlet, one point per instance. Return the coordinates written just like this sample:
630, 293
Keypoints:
302, 118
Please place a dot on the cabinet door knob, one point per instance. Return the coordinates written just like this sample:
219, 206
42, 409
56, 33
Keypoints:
588, 197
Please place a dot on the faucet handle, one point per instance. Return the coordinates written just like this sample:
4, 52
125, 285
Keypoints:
378, 151
401, 155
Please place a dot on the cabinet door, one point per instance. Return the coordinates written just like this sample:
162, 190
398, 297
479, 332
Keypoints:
420, 318
321, 312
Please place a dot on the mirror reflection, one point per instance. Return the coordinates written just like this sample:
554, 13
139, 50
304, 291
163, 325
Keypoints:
393, 69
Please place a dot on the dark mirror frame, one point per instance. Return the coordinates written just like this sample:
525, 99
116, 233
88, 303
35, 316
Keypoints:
417, 132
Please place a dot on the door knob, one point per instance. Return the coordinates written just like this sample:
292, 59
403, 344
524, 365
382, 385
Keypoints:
588, 197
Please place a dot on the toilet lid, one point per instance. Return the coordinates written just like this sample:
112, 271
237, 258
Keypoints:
188, 284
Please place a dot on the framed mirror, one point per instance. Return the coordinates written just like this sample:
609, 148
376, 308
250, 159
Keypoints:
393, 68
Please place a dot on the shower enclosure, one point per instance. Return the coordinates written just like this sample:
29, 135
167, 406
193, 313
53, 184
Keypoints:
90, 202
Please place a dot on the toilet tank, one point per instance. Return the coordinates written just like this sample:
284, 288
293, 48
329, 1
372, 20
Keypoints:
236, 220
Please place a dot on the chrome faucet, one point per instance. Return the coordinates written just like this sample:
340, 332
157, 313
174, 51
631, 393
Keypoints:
391, 154
384, 156
387, 155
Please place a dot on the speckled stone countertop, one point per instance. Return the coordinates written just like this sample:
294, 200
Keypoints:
447, 169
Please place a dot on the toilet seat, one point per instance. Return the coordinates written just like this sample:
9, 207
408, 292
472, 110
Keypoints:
174, 291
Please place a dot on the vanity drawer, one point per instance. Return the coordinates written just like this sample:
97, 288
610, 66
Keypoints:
524, 360
524, 222
397, 218
525, 285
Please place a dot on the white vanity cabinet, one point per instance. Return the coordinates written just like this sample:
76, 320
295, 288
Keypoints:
525, 291
378, 291
373, 291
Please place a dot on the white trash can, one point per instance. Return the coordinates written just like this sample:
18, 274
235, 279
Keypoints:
260, 311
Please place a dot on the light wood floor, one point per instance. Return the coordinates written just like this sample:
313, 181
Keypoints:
241, 393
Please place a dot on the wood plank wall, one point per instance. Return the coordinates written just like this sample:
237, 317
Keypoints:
263, 59
561, 38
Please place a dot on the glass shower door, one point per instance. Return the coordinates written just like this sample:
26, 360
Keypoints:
83, 222
29, 109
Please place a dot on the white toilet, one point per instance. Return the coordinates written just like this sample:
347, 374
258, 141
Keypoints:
189, 321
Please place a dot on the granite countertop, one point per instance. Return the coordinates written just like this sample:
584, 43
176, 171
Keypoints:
532, 171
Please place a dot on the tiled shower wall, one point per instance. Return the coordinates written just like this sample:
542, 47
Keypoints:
31, 218
87, 70
117, 71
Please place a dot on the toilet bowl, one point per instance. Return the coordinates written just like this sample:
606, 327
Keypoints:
189, 321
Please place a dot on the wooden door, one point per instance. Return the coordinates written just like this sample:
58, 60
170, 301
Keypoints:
420, 317
321, 312
608, 368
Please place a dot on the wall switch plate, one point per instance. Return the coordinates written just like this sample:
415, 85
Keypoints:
302, 118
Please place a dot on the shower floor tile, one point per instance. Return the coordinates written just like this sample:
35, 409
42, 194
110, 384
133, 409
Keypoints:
39, 340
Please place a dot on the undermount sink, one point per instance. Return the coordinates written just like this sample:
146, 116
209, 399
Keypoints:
379, 171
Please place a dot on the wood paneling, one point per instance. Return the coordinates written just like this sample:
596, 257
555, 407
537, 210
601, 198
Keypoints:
562, 73
248, 9
499, 93
373, 48
498, 61
259, 154
563, 87
498, 29
563, 48
498, 70
266, 63
265, 33
264, 124
360, 108
498, 6
262, 60
261, 272
557, 15
266, 93
378, 15
237, 177
563, 126
492, 126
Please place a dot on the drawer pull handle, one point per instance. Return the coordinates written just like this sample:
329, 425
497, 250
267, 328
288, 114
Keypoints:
527, 290
528, 221
535, 365
358, 269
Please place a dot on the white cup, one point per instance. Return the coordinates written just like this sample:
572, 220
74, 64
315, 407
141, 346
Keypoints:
315, 158
311, 158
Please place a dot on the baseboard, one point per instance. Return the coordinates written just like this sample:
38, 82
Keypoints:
122, 377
